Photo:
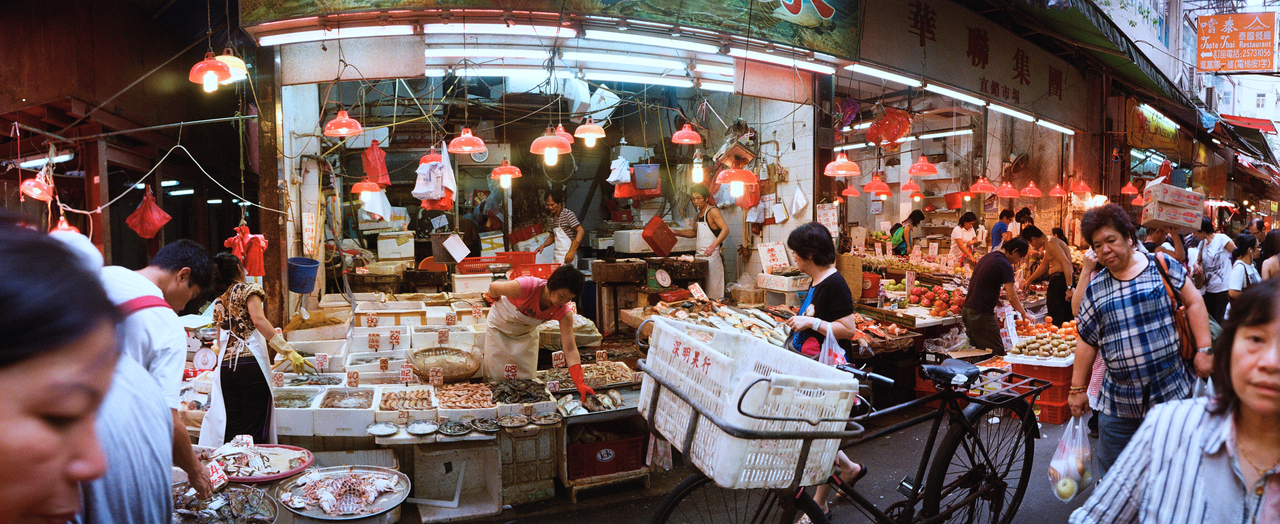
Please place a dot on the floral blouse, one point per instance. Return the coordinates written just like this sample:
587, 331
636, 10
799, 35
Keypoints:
231, 312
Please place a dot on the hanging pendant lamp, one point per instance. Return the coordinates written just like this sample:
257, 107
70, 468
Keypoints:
738, 180
841, 166
365, 186
1129, 189
917, 196
923, 167
1137, 200
1057, 191
466, 143
837, 201
1081, 187
560, 132
1006, 190
982, 186
37, 188
209, 72
504, 173
550, 146
850, 191
342, 125
238, 70
63, 225
1031, 191
589, 132
967, 195
697, 174
686, 135
431, 156
910, 186
876, 186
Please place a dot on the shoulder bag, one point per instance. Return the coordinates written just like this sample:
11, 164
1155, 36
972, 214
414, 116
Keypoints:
1186, 339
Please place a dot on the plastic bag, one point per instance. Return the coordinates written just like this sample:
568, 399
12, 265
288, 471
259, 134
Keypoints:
832, 354
1202, 388
148, 218
375, 165
1071, 469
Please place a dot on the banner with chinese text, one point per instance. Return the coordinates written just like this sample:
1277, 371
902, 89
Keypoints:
1236, 42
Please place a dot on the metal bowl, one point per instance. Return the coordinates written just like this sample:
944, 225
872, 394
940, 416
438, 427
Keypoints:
458, 365
499, 268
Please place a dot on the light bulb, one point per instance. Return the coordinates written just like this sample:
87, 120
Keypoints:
916, 198
967, 197
884, 196
1246, 202
210, 81
368, 197
697, 173
590, 141
504, 181
737, 188
550, 157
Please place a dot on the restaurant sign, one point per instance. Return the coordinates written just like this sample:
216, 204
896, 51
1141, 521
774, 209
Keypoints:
1236, 42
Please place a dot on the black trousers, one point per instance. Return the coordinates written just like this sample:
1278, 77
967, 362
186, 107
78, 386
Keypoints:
1057, 305
247, 397
983, 330
1216, 303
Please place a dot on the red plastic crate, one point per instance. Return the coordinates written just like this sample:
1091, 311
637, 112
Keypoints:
1052, 374
1056, 393
516, 258
605, 458
525, 233
623, 215
659, 237
478, 265
673, 296
924, 392
542, 271
1053, 412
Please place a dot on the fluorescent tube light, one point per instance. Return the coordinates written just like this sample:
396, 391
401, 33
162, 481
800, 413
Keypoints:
1055, 127
716, 86
955, 94
334, 34
182, 192
847, 147
634, 38
640, 79
40, 161
944, 134
169, 183
784, 61
714, 69
1012, 112
624, 59
488, 52
500, 29
509, 71
213, 201
892, 77
863, 125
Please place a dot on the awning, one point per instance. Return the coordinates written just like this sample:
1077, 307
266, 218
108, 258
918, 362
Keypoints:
1252, 123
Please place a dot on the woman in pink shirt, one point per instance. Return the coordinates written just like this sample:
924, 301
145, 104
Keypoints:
520, 306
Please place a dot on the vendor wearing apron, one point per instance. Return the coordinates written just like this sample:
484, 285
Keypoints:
240, 402
566, 231
711, 232
520, 305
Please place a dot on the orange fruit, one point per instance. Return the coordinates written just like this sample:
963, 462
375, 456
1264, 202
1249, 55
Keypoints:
1048, 320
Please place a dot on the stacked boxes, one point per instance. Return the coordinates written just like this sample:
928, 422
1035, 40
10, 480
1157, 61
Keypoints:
1171, 207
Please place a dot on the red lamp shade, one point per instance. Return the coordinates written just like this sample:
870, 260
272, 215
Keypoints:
910, 186
342, 125
982, 186
838, 200
560, 132
431, 156
1031, 191
365, 186
1128, 189
550, 146
850, 191
37, 189
686, 135
209, 72
64, 226
1007, 191
589, 132
917, 196
1081, 187
1057, 191
235, 65
923, 167
841, 166
738, 179
504, 173
466, 143
1137, 201
876, 186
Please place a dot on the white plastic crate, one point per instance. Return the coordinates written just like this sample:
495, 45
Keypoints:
472, 283
460, 337
296, 421
715, 367
371, 362
381, 415
341, 422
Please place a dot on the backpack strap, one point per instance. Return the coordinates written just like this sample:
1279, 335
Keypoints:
143, 302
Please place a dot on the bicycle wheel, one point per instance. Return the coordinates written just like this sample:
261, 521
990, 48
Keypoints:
960, 469
698, 500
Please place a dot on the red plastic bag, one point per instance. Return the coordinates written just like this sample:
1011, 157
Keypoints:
444, 204
629, 190
750, 197
375, 165
148, 218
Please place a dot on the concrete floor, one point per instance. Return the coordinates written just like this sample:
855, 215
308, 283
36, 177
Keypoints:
890, 459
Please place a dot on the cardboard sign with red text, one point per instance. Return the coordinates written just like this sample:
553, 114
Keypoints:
509, 371
602, 355
697, 292
394, 338
277, 379
217, 477
558, 361
371, 319
353, 379
322, 362
436, 376
406, 373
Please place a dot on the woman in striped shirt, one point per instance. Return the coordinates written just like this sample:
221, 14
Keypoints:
1215, 460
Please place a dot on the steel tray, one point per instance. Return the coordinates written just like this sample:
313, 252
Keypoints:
384, 503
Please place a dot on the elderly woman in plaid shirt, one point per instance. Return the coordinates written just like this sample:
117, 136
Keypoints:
1127, 319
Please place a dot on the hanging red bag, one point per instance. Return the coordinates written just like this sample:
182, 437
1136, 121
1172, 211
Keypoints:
444, 204
629, 190
375, 165
750, 197
148, 218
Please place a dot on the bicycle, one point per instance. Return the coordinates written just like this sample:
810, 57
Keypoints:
968, 480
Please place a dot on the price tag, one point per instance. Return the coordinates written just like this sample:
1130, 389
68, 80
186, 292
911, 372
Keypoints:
384, 363
682, 314
450, 318
637, 377
573, 307
527, 409
933, 249
353, 379
910, 281
595, 382
696, 291
277, 379
879, 249
406, 373
509, 371
394, 338
602, 355
477, 312
217, 477
402, 417
442, 336
553, 386
436, 376
322, 361
558, 361
375, 341
371, 319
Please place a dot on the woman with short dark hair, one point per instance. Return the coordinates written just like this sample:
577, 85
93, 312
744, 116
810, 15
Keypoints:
519, 307
1243, 274
963, 237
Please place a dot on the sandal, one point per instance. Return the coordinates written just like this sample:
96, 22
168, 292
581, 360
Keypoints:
862, 472
804, 519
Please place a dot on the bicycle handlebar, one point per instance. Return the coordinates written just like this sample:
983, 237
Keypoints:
865, 375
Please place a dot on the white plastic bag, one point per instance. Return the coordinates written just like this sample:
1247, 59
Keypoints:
1203, 388
831, 354
1071, 470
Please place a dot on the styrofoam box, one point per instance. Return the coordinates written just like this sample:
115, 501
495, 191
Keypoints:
340, 422
437, 475
632, 241
333, 300
341, 377
392, 313
333, 332
471, 283
460, 337
360, 338
436, 315
395, 246
781, 283
526, 409
297, 421
336, 348
465, 316
414, 414
337, 364
395, 358
384, 378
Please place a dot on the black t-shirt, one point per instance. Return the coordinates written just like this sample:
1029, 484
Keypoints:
991, 274
832, 301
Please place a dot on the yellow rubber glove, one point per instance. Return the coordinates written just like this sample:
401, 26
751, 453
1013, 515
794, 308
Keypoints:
284, 349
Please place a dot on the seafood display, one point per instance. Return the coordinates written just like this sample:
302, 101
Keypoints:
341, 494
411, 399
454, 428
421, 428
294, 400
611, 372
314, 380
513, 421
546, 419
605, 401
235, 504
520, 391
485, 425
253, 461
337, 398
465, 396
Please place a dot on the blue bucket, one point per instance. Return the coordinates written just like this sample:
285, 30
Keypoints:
302, 274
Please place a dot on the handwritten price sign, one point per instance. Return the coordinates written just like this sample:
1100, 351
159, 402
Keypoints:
277, 379
394, 338
595, 383
450, 318
910, 280
322, 361
509, 371
406, 373
879, 249
353, 379
216, 476
553, 386
696, 290
370, 319
375, 341
477, 312
442, 336
436, 376
602, 355
384, 363
402, 417
558, 361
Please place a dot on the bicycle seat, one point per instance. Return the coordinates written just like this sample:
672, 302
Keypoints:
945, 374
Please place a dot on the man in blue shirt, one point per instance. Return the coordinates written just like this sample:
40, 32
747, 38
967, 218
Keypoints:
1000, 231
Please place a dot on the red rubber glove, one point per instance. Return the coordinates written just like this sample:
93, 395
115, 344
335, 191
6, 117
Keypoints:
575, 371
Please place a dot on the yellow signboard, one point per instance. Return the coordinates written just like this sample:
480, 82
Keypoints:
1236, 42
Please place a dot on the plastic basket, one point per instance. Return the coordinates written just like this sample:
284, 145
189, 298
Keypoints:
542, 271
715, 368
519, 257
478, 265
1053, 412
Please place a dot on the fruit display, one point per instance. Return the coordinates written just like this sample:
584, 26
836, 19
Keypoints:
938, 300
1045, 339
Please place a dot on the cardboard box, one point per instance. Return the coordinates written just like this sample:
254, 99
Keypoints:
1157, 191
1161, 214
491, 243
396, 245
781, 283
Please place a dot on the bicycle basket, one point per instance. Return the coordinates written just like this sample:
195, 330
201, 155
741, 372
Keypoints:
716, 368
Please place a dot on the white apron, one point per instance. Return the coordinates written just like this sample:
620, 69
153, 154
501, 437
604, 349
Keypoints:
215, 421
563, 243
714, 286
511, 338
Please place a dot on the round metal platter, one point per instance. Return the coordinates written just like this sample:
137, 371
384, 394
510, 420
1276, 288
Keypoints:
549, 418
382, 429
421, 428
384, 503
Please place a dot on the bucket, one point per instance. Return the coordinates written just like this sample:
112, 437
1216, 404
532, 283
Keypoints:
302, 274
955, 200
870, 285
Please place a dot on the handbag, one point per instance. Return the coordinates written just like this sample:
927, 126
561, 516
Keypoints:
1186, 339
1198, 278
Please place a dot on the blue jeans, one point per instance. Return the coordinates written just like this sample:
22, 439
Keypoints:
1113, 435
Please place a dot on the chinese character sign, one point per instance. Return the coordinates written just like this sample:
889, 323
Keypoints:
923, 21
1236, 42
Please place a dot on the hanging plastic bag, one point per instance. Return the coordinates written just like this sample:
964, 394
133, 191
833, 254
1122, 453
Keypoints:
1202, 388
443, 204
375, 165
832, 354
619, 171
148, 218
1071, 469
